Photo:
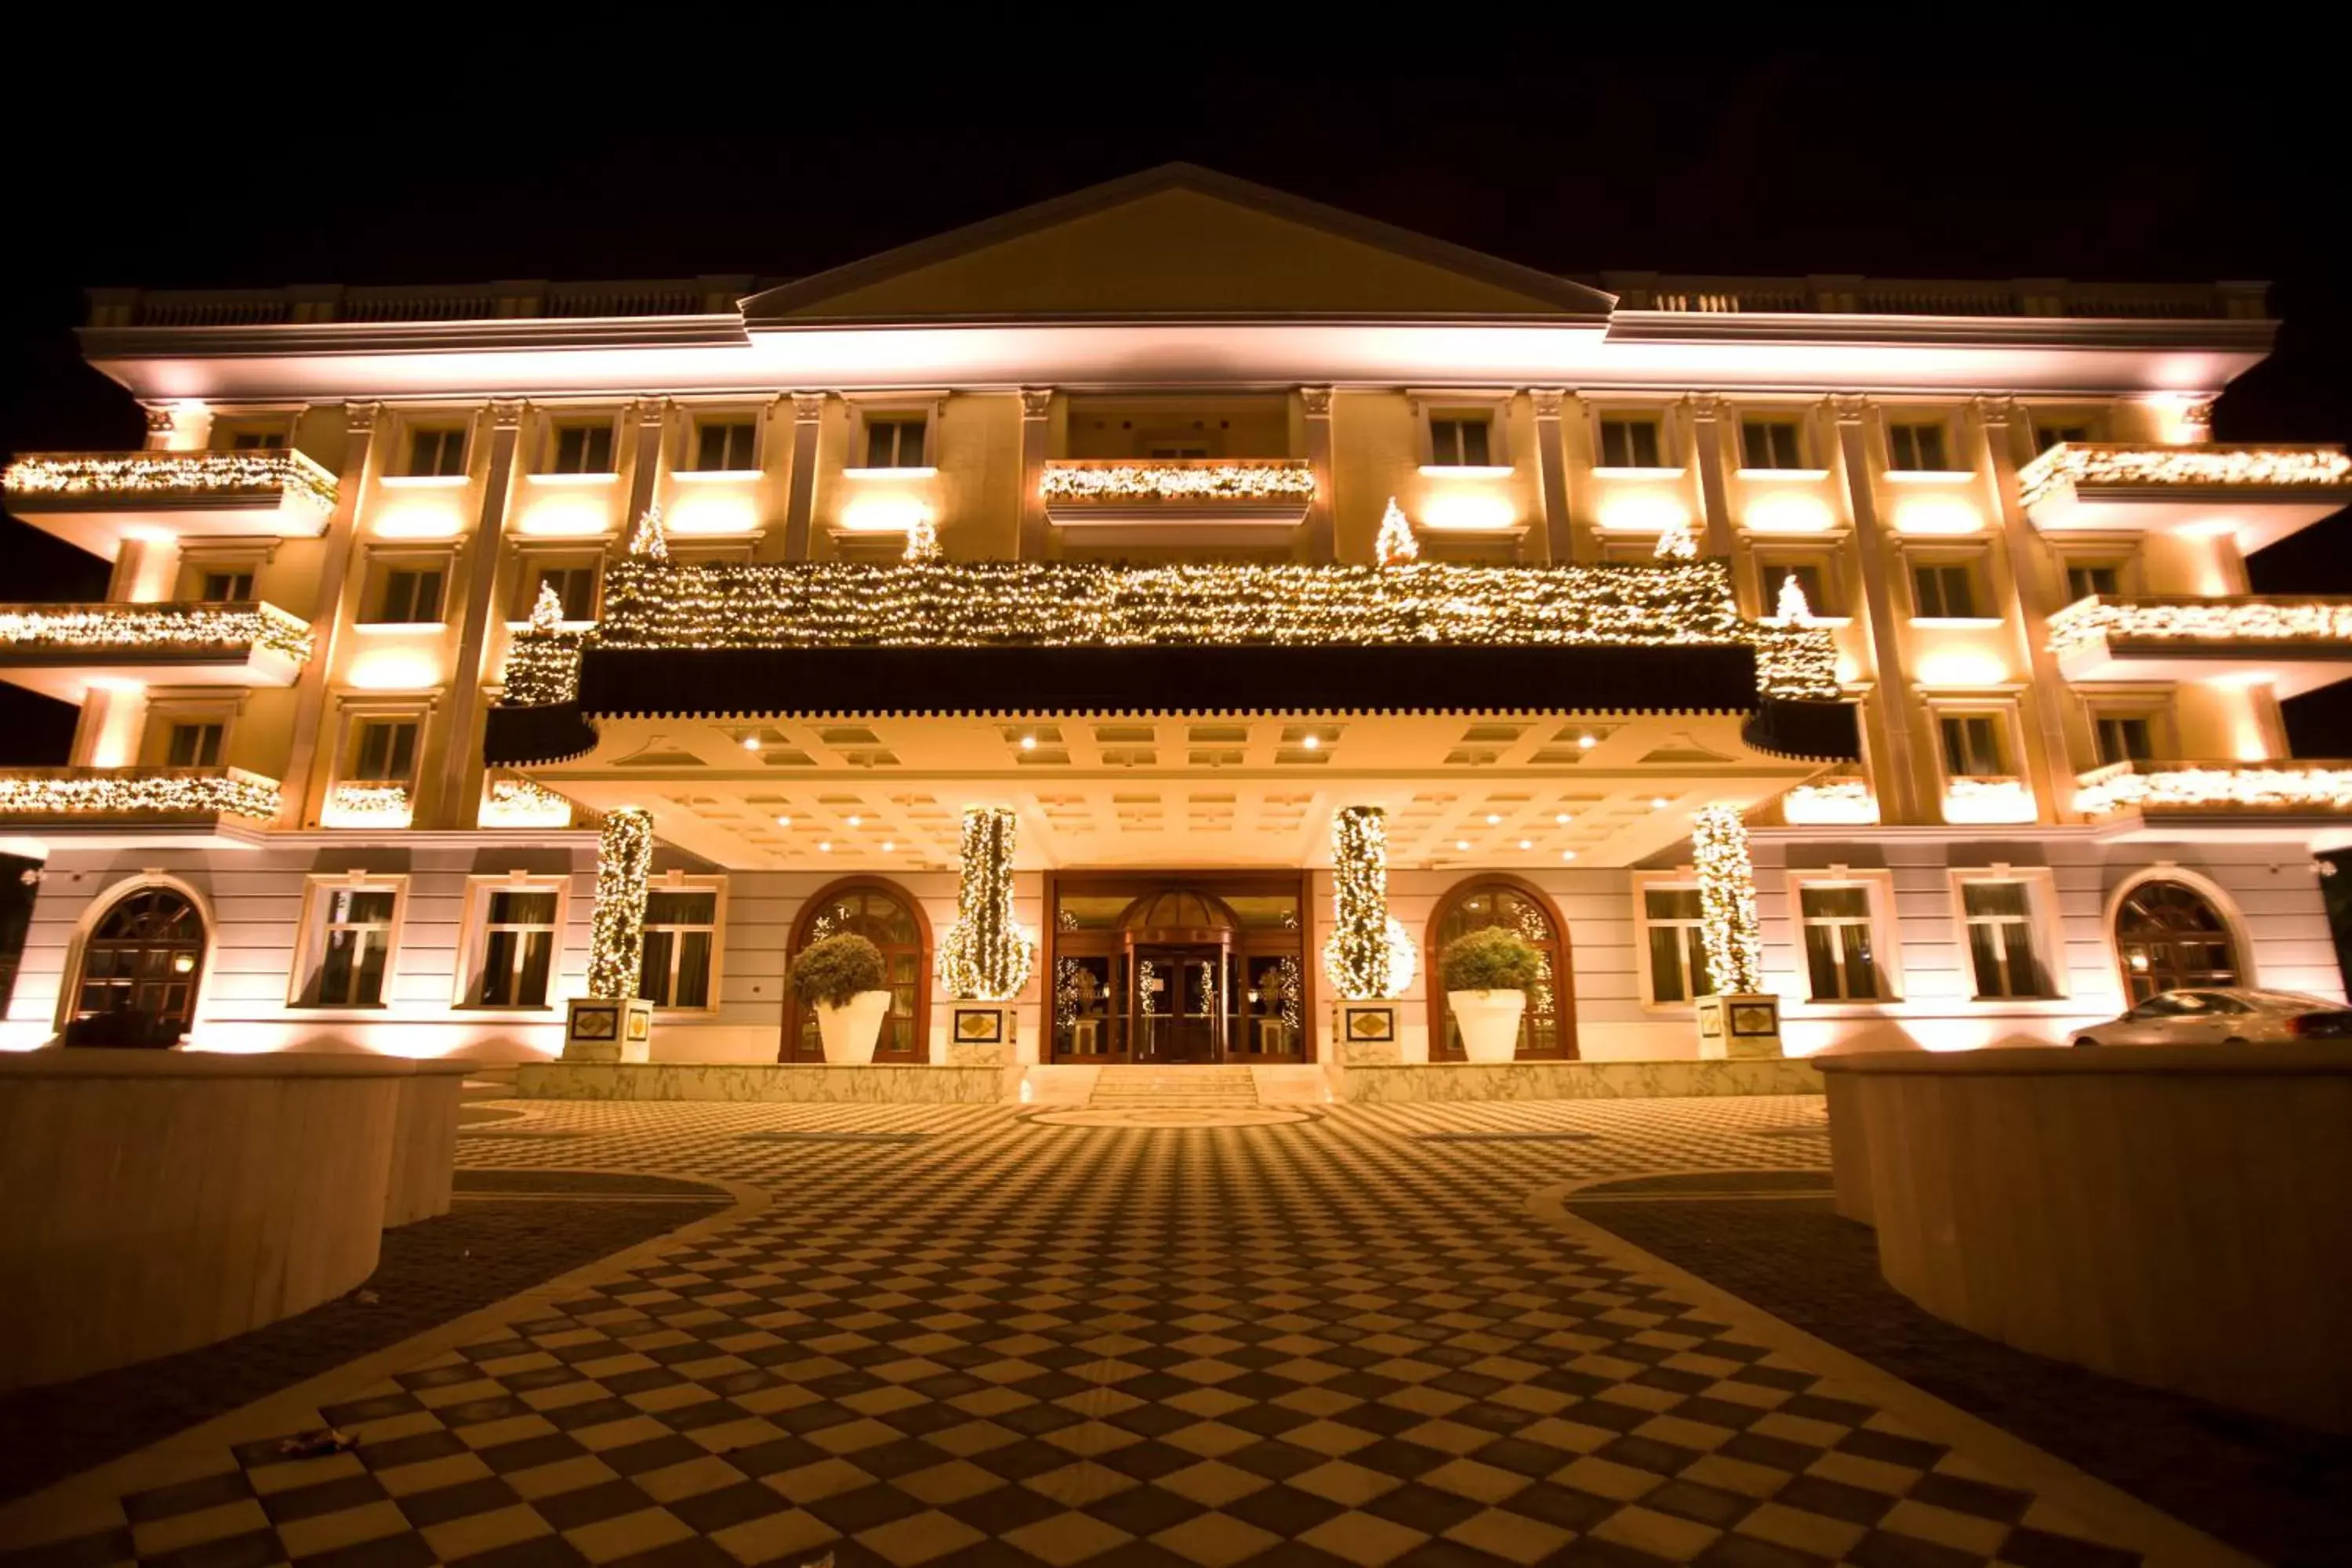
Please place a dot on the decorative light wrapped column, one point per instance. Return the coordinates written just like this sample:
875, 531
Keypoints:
1736, 1019
985, 957
612, 1023
1369, 957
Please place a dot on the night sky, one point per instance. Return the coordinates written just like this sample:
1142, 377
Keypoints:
2013, 150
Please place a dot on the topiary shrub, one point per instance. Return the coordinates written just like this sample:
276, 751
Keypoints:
1488, 959
828, 974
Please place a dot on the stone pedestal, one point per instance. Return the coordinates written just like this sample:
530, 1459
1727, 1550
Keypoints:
1738, 1025
983, 1034
599, 1029
1365, 1033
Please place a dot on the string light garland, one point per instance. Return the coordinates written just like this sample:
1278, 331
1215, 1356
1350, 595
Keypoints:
1064, 604
149, 475
922, 538
1396, 546
2128, 786
649, 542
1675, 542
543, 662
520, 803
1369, 957
2078, 463
1831, 803
2086, 621
366, 804
1727, 900
176, 626
1273, 478
616, 937
138, 791
986, 954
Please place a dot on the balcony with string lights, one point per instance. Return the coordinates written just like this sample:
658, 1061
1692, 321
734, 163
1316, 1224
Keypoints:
63, 650
2284, 799
98, 499
2260, 494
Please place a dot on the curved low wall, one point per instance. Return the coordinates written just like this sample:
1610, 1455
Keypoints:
2173, 1216
155, 1201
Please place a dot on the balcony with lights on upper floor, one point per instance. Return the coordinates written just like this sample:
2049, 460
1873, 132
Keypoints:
136, 807
63, 650
98, 499
1118, 501
2292, 643
2284, 799
2258, 493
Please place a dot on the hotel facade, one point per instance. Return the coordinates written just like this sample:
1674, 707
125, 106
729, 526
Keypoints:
1173, 518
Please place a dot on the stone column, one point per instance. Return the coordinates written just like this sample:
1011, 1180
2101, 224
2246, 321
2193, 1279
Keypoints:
460, 744
645, 467
298, 807
1714, 496
161, 428
1315, 402
612, 1023
1551, 471
1036, 534
2052, 767
808, 407
1894, 778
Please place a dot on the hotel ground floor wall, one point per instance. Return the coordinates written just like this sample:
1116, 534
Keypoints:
260, 911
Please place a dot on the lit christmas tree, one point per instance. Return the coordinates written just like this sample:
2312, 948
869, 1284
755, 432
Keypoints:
1396, 546
1676, 543
546, 610
649, 542
1792, 608
922, 540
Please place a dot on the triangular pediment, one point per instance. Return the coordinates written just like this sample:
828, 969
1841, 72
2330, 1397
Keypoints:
1177, 241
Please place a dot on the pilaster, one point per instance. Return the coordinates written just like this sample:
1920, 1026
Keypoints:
808, 408
461, 741
1036, 408
2050, 768
1315, 402
1714, 494
327, 614
1894, 774
1551, 470
649, 416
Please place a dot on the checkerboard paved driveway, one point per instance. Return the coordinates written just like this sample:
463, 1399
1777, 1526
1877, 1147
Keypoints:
957, 1337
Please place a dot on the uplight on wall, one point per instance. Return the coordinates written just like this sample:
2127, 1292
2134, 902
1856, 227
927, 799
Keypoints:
713, 509
1962, 670
566, 514
422, 517
1643, 511
1468, 511
395, 669
883, 514
1788, 513
1935, 515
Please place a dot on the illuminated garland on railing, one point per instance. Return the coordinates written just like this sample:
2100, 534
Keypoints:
1832, 801
1005, 604
616, 936
1274, 478
2086, 621
2095, 464
361, 804
1369, 957
173, 626
985, 955
137, 792
166, 474
2313, 786
1727, 900
543, 662
520, 802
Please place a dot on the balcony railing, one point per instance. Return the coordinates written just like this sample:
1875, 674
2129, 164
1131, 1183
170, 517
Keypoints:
2297, 642
94, 796
163, 633
2112, 466
2265, 789
1121, 502
1844, 800
367, 805
92, 499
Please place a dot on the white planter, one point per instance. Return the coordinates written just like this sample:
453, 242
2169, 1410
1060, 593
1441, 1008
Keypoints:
849, 1032
1489, 1022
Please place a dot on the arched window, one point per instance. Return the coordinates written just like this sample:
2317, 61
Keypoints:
140, 970
2171, 937
884, 915
1548, 1028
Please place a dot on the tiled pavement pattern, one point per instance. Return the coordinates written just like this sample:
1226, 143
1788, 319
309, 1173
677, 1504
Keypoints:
1340, 1342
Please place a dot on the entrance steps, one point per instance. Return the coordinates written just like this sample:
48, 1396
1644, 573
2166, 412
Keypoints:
1235, 1086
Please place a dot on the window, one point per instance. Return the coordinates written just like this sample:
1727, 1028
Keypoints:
574, 582
1916, 447
1812, 579
1459, 441
1174, 452
193, 746
1839, 944
1629, 444
383, 751
143, 959
1547, 1028
256, 441
583, 449
407, 595
722, 445
2171, 937
353, 945
1999, 920
436, 450
1976, 745
226, 587
1944, 591
516, 946
2049, 436
1678, 971
885, 916
2084, 578
894, 441
1771, 444
2124, 737
680, 925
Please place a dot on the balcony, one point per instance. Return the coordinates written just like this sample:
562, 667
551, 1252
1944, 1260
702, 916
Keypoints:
2292, 644
2280, 799
97, 499
365, 804
130, 807
62, 650
2261, 494
1237, 500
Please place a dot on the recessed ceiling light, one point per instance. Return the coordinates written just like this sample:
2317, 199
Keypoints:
1585, 742
1311, 742
860, 822
1657, 803
888, 847
1028, 743
1568, 853
1461, 844
1563, 820
751, 742
1493, 820
1527, 843
783, 822
825, 847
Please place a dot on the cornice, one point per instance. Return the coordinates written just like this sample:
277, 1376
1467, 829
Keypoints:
1813, 330
329, 339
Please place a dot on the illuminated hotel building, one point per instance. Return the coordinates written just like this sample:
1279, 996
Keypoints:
1967, 638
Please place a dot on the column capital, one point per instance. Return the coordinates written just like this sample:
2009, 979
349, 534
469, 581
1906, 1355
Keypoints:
1995, 411
1036, 402
1548, 400
159, 419
808, 407
1318, 401
1848, 407
2197, 420
1705, 406
506, 414
649, 410
358, 418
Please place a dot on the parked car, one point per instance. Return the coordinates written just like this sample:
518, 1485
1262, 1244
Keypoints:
2232, 1016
